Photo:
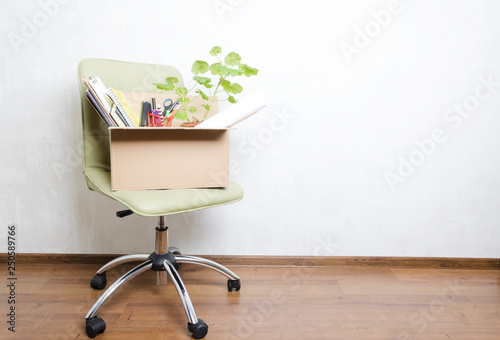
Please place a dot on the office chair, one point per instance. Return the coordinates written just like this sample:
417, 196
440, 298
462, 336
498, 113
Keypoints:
136, 77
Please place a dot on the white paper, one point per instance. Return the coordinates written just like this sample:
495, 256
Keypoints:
101, 91
235, 113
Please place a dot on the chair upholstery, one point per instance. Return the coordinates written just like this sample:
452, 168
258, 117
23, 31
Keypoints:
135, 77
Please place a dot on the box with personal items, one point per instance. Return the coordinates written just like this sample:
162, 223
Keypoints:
174, 139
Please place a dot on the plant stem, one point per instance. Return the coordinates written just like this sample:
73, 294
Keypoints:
189, 122
185, 108
191, 88
212, 97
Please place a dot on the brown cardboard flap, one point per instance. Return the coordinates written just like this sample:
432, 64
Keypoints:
166, 158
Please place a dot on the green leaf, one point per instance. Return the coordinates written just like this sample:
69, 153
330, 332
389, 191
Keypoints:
181, 115
202, 80
236, 88
233, 72
172, 80
224, 71
184, 101
247, 70
231, 100
215, 70
181, 91
164, 86
233, 88
205, 81
232, 59
199, 66
215, 50
207, 107
203, 95
192, 109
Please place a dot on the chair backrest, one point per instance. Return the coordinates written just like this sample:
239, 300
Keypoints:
124, 76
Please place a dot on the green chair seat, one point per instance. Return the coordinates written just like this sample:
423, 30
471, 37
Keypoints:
163, 202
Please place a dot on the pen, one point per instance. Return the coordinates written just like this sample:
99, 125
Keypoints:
175, 111
171, 108
153, 103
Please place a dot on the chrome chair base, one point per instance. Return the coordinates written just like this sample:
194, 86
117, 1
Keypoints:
163, 261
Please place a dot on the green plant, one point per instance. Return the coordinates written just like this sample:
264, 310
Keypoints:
231, 66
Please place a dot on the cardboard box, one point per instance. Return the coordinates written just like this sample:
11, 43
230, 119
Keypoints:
167, 158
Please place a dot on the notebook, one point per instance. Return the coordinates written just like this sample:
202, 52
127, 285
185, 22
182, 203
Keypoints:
124, 108
101, 101
103, 98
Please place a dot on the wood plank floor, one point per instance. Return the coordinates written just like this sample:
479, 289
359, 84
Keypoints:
275, 302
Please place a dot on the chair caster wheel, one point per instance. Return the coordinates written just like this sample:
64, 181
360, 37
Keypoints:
94, 327
99, 281
233, 285
199, 329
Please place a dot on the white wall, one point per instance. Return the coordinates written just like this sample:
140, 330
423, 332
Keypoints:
330, 178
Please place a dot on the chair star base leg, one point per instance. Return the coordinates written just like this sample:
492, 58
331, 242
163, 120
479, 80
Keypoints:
165, 261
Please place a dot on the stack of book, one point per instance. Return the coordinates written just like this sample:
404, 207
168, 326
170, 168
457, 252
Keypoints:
110, 104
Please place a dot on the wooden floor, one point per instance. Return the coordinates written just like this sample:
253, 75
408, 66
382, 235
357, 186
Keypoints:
274, 303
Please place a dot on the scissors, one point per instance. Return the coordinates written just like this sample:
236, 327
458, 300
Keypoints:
167, 107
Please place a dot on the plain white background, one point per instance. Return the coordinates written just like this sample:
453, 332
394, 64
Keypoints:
380, 137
